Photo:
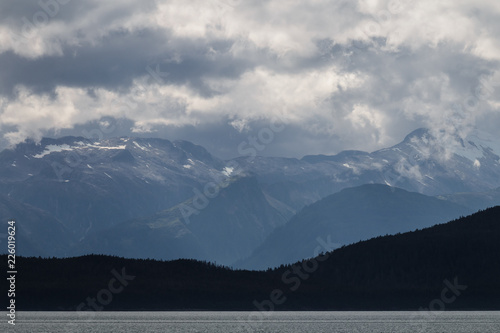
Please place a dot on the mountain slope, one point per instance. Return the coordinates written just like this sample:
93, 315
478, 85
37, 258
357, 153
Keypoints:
92, 185
225, 228
464, 252
475, 201
162, 236
349, 216
37, 232
235, 222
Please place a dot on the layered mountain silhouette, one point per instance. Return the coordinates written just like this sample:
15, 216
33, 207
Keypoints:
454, 264
347, 217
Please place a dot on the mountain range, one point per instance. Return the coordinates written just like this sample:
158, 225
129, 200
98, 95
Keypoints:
153, 198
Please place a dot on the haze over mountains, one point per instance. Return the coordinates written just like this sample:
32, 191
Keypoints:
160, 199
349, 216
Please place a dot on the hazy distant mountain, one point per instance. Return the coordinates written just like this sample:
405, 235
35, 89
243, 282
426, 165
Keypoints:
347, 217
229, 228
475, 201
37, 233
162, 236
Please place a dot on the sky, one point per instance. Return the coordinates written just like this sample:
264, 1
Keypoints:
290, 78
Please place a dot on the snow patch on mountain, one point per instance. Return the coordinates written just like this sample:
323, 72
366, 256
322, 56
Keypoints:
476, 145
53, 149
139, 146
108, 147
227, 171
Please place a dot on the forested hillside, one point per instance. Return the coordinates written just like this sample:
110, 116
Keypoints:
404, 271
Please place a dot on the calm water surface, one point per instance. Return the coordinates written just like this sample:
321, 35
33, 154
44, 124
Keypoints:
275, 322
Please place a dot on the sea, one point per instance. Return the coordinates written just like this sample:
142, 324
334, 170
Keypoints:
268, 322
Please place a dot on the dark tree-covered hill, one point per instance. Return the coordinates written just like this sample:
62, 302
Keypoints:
454, 266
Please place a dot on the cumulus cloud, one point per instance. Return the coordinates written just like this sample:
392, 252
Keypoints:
342, 74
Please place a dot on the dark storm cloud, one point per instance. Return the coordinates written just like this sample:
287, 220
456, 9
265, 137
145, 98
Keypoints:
18, 12
114, 61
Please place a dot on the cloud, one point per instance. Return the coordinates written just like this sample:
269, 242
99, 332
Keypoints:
342, 74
